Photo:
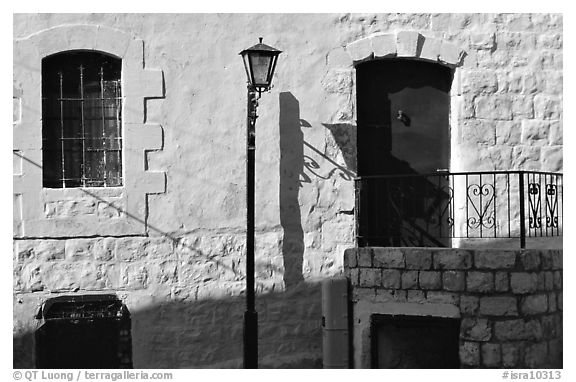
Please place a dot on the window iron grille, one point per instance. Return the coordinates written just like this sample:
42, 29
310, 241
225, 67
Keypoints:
81, 120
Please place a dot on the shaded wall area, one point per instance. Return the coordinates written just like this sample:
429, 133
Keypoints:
208, 333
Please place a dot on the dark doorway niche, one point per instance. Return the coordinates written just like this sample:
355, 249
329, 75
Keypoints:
414, 342
403, 144
84, 332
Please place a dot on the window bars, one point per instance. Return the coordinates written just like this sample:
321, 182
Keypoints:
81, 120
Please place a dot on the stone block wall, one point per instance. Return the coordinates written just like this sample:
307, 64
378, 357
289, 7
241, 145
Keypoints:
185, 296
170, 243
509, 302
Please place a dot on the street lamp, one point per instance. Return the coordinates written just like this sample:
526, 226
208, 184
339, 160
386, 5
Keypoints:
259, 62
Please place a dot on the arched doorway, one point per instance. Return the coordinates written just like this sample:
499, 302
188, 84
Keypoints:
403, 145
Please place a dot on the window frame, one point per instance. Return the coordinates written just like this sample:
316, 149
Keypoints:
84, 211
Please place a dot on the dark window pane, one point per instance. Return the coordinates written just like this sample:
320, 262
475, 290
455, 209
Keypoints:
81, 120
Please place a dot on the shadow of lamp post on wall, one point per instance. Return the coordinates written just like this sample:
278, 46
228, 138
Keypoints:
259, 62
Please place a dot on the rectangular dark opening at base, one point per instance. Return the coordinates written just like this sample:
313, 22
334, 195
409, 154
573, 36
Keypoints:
414, 342
84, 332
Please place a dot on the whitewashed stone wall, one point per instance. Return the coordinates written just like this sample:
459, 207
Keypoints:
176, 257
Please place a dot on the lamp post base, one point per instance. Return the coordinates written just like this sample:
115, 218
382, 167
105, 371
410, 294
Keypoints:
250, 340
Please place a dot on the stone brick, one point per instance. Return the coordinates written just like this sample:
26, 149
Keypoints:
388, 258
354, 276
360, 50
416, 296
521, 282
558, 280
439, 297
498, 306
337, 81
552, 302
475, 329
559, 302
555, 136
547, 107
470, 353
453, 280
548, 281
386, 295
47, 250
491, 355
479, 282
166, 272
350, 259
418, 259
552, 159
501, 282
79, 249
479, 82
536, 355
370, 277
555, 353
431, 49
134, 276
384, 45
557, 259
515, 330
534, 304
549, 329
469, 305
493, 107
511, 354
390, 279
494, 260
452, 259
407, 43
409, 279
429, 280
514, 40
62, 276
526, 157
450, 53
25, 250
546, 262
508, 132
110, 209
535, 132
160, 248
484, 41
103, 250
364, 257
530, 260
478, 131
541, 283
130, 248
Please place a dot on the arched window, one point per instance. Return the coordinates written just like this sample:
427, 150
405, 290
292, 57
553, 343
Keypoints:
81, 120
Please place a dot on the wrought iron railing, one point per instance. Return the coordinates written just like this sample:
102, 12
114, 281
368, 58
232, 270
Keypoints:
432, 209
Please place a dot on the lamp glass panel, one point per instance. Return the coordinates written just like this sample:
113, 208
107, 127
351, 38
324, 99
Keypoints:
260, 65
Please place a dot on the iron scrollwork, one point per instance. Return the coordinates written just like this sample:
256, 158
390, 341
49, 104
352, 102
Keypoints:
535, 220
481, 197
551, 206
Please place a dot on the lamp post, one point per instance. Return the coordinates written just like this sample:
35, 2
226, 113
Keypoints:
259, 62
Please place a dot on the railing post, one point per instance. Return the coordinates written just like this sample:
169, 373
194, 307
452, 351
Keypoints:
357, 187
522, 212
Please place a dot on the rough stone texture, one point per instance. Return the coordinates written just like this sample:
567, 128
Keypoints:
470, 354
185, 166
480, 282
508, 301
429, 280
